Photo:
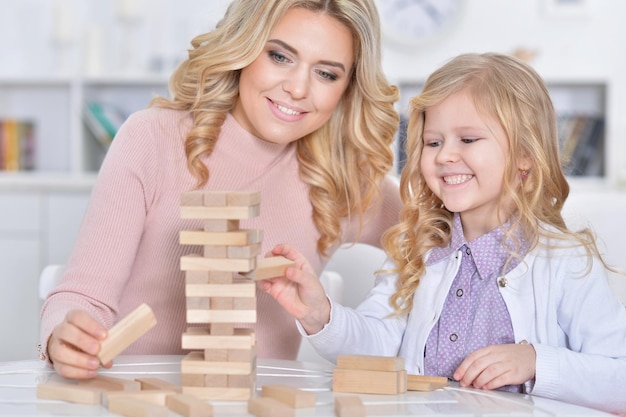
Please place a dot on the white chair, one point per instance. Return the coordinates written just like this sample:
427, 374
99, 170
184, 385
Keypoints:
50, 278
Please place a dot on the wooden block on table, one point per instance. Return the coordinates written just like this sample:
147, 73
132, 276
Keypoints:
269, 407
236, 238
194, 363
150, 383
426, 383
293, 397
214, 380
152, 396
133, 407
193, 380
271, 267
349, 406
370, 363
369, 382
216, 213
192, 198
200, 338
242, 381
111, 383
199, 263
220, 198
189, 406
69, 392
197, 303
217, 252
219, 394
125, 332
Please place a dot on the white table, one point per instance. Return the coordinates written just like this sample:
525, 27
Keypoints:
18, 381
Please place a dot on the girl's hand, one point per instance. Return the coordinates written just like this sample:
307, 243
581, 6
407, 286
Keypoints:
299, 291
497, 365
74, 344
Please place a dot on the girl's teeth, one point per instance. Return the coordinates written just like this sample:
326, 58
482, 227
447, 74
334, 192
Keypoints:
456, 179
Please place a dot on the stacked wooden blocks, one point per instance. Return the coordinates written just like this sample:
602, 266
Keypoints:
369, 375
222, 363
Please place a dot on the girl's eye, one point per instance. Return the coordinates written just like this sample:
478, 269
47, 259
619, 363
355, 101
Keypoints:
432, 143
468, 140
327, 75
277, 56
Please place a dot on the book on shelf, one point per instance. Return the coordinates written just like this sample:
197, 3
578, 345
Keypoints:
17, 145
581, 139
103, 120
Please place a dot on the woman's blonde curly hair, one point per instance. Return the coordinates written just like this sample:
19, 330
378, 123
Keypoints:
345, 160
516, 96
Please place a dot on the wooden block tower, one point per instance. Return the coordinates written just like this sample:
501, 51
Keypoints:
222, 361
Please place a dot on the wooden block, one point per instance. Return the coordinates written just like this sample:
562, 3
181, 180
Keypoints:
151, 383
221, 225
247, 251
215, 380
215, 199
293, 397
426, 383
221, 277
270, 267
228, 212
111, 383
194, 363
236, 289
133, 407
198, 303
192, 198
198, 263
219, 394
242, 355
196, 277
189, 406
369, 382
236, 238
370, 363
244, 198
219, 252
222, 303
200, 338
244, 303
269, 407
222, 329
152, 396
221, 316
125, 332
192, 380
349, 406
69, 392
218, 355
242, 381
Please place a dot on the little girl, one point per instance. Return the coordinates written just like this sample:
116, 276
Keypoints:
485, 284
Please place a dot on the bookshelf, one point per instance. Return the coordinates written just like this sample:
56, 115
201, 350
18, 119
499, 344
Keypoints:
582, 119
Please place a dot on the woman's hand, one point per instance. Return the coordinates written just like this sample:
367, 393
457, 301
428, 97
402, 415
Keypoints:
497, 365
74, 344
299, 291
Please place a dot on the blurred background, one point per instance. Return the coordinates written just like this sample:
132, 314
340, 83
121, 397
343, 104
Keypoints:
72, 70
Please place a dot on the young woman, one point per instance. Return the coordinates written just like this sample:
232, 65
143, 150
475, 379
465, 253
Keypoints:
285, 97
485, 283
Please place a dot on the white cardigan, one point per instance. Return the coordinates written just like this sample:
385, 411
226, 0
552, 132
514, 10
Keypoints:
574, 321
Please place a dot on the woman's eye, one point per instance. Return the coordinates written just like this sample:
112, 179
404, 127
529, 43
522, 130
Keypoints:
327, 75
432, 143
278, 57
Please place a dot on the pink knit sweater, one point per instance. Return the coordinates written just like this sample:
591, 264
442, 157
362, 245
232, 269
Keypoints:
127, 251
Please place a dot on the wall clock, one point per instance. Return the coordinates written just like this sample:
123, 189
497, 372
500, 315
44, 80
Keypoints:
413, 22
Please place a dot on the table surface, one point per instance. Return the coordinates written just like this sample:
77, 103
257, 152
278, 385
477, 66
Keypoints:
18, 381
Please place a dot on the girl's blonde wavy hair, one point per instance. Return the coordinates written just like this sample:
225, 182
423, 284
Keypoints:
516, 96
344, 161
